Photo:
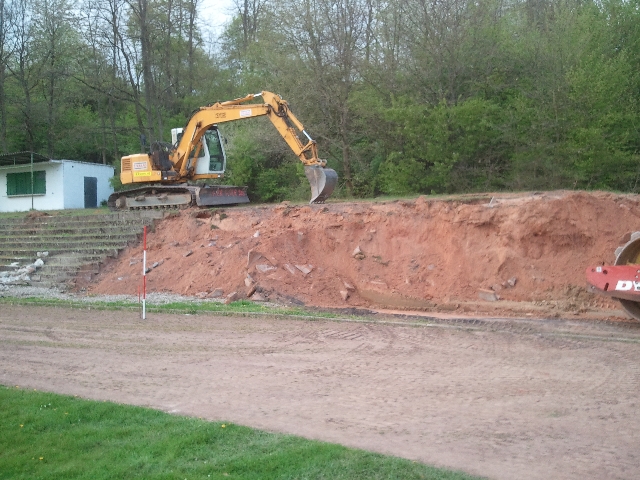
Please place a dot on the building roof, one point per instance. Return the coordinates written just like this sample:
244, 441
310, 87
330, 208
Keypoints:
21, 158
25, 158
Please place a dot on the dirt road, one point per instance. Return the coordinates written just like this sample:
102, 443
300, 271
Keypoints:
505, 399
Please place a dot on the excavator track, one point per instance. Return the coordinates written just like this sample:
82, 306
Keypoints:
176, 196
629, 254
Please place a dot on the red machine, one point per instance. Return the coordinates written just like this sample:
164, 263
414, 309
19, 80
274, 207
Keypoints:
622, 279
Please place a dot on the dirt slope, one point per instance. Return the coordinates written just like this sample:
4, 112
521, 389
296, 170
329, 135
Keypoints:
417, 254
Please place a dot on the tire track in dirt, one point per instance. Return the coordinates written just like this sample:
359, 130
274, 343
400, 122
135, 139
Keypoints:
501, 398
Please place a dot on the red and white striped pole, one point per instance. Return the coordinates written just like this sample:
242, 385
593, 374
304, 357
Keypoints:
144, 276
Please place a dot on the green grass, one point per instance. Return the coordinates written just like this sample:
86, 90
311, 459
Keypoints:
187, 307
49, 436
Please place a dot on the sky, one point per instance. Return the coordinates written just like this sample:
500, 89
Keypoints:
215, 13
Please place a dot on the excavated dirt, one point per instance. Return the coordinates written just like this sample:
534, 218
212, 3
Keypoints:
522, 254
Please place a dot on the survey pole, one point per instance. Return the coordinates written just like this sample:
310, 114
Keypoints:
31, 180
144, 275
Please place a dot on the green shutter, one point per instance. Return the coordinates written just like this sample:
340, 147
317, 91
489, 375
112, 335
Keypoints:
20, 183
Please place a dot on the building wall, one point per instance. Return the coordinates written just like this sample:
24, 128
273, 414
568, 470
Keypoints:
65, 186
73, 177
53, 199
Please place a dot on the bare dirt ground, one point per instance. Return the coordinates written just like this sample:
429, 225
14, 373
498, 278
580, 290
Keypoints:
526, 399
509, 254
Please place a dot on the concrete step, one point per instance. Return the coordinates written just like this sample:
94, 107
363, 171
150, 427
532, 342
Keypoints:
66, 244
61, 220
61, 280
70, 229
84, 236
106, 230
75, 265
5, 262
63, 275
61, 259
74, 262
67, 229
77, 245
57, 218
111, 251
52, 275
21, 259
71, 258
60, 270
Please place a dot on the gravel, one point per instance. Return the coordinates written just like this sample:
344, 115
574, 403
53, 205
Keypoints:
23, 291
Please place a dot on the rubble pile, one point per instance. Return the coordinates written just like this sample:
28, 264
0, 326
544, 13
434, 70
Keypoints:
16, 274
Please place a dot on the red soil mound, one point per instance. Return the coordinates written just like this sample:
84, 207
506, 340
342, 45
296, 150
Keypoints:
419, 253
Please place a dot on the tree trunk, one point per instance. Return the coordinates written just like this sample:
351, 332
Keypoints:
193, 6
346, 153
135, 90
3, 105
147, 74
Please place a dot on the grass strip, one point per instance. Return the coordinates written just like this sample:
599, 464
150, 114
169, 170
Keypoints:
179, 307
50, 436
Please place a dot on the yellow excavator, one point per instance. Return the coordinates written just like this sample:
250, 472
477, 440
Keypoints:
166, 175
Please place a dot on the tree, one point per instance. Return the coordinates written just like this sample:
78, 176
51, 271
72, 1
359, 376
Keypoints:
4, 58
25, 68
328, 40
54, 38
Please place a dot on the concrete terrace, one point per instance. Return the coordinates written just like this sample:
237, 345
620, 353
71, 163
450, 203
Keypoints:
68, 242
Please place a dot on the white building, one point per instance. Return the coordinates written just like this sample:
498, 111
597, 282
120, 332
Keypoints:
30, 181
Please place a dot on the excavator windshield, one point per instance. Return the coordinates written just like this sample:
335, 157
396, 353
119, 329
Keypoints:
216, 151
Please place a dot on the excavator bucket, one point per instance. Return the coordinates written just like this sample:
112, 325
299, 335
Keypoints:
322, 181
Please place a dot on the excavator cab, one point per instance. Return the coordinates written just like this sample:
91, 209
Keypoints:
212, 157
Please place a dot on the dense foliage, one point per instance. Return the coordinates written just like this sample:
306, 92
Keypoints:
403, 96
